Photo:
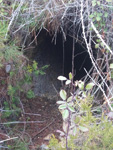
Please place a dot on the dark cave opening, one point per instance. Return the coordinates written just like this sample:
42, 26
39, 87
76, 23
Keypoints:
60, 53
81, 59
59, 58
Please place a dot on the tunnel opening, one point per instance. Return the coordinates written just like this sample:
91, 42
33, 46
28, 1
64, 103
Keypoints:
61, 53
58, 55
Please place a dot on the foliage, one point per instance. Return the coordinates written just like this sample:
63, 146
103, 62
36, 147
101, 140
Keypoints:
10, 107
30, 94
18, 145
45, 14
16, 65
99, 136
20, 83
99, 18
54, 143
82, 129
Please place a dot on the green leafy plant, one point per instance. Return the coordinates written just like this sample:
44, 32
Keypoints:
19, 145
68, 105
81, 129
20, 81
11, 107
30, 94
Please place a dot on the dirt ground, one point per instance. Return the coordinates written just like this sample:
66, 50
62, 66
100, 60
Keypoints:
47, 112
40, 119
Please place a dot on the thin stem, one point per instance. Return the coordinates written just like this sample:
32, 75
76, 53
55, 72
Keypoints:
69, 118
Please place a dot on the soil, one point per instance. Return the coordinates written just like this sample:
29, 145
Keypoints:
3, 83
49, 117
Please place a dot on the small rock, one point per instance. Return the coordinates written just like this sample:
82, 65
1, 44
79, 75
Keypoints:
43, 147
110, 115
8, 68
48, 137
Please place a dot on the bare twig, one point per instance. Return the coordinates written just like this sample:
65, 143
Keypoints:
108, 48
43, 129
22, 122
8, 139
91, 57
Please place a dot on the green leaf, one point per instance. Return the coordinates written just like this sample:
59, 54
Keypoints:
108, 0
74, 130
42, 72
111, 66
62, 78
30, 94
71, 108
98, 18
65, 126
35, 65
64, 106
101, 44
70, 76
100, 14
106, 15
93, 3
95, 13
91, 16
98, 110
60, 102
45, 67
65, 114
111, 74
68, 82
98, 40
63, 94
1, 1
96, 45
96, 25
89, 86
83, 129
98, 2
69, 99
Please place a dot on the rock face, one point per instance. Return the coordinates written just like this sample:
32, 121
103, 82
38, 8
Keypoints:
47, 85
